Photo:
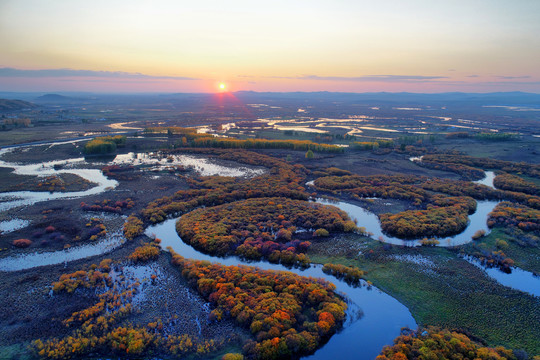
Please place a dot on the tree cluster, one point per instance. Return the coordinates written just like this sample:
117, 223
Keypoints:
350, 274
104, 145
109, 205
433, 343
483, 163
288, 315
96, 330
144, 253
511, 182
515, 215
121, 173
282, 180
260, 228
443, 204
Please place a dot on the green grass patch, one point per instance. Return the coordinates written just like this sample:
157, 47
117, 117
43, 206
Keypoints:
526, 258
443, 290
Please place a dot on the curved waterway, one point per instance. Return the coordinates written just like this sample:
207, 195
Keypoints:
517, 279
9, 200
487, 180
37, 259
370, 221
363, 335
156, 161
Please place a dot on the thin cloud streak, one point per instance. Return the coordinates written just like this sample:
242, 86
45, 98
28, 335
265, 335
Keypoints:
61, 73
367, 78
514, 77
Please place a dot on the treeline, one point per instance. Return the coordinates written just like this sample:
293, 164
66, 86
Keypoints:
510, 182
465, 171
432, 343
109, 205
190, 137
302, 145
373, 145
104, 145
404, 187
288, 315
260, 228
488, 136
483, 163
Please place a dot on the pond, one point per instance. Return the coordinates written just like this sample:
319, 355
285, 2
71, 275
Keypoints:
374, 317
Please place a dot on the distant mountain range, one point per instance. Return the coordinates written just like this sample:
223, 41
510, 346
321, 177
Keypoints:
57, 99
389, 98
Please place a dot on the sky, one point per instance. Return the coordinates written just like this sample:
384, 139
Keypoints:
292, 45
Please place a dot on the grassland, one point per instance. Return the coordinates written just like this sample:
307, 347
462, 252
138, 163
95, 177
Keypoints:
443, 290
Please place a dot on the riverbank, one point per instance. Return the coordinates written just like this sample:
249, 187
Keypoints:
434, 283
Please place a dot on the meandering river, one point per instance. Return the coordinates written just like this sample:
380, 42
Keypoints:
374, 318
362, 336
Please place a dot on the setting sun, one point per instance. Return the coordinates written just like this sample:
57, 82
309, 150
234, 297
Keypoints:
222, 86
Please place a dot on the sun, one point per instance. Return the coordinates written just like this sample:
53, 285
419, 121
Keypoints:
222, 86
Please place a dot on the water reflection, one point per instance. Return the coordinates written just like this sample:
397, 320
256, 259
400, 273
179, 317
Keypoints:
383, 316
370, 221
32, 260
518, 279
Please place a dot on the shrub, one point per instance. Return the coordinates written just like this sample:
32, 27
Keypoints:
477, 235
144, 253
321, 233
233, 356
22, 243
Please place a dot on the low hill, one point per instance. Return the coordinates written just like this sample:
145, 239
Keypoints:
14, 105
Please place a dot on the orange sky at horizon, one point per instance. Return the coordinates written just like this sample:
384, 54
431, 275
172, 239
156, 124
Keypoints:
344, 45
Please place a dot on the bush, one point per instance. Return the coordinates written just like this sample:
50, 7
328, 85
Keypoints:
233, 356
478, 234
144, 253
22, 243
321, 233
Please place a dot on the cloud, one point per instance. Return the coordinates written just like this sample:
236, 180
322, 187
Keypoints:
473, 76
62, 73
514, 77
367, 78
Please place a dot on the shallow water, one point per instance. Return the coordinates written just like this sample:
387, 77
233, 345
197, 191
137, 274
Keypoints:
202, 165
36, 259
518, 279
370, 221
362, 337
12, 225
487, 180
13, 199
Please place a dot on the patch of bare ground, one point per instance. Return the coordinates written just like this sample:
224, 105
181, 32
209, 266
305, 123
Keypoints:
182, 309
343, 245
